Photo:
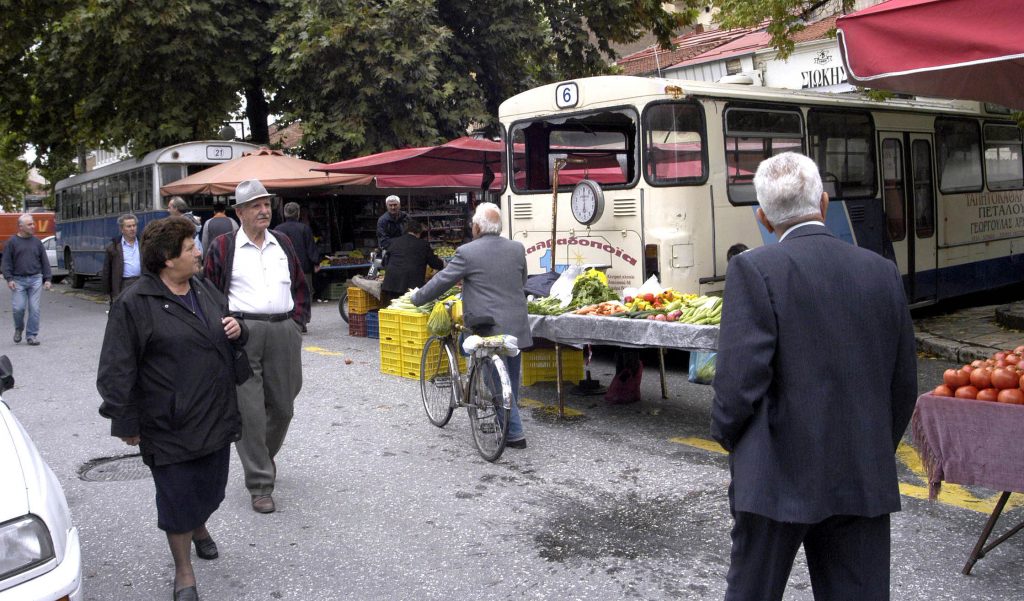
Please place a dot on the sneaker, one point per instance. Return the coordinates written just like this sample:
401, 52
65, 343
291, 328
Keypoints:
17, 336
32, 342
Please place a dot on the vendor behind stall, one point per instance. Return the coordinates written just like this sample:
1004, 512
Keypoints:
408, 257
391, 224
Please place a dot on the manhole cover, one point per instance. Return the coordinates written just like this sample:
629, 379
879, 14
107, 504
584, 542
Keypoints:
114, 469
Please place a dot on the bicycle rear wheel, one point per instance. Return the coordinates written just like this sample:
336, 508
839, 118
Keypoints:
439, 376
488, 418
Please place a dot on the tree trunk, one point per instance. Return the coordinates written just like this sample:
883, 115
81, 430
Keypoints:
257, 110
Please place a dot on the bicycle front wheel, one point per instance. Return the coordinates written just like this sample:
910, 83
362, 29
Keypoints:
439, 376
488, 417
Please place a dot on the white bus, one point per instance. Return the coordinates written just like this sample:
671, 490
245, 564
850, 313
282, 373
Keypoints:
88, 204
936, 186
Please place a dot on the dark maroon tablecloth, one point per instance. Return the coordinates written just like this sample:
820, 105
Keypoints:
969, 442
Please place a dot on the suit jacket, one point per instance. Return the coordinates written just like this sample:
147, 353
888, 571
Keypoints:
408, 257
113, 268
817, 379
493, 273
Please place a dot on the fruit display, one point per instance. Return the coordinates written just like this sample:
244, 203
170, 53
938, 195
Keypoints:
445, 252
1000, 378
650, 301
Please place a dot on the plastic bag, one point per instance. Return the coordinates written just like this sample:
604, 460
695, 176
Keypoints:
625, 386
440, 322
702, 367
562, 288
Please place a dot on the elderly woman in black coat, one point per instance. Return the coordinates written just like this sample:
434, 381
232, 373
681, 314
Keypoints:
167, 379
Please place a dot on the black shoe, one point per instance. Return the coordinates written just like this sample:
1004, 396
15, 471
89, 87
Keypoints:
17, 336
206, 548
188, 593
516, 444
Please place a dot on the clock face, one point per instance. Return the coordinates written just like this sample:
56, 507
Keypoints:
587, 202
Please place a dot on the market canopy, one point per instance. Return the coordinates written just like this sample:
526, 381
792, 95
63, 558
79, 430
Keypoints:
277, 172
471, 162
962, 49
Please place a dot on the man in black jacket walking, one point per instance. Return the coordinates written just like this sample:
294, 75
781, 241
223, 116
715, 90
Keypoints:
301, 236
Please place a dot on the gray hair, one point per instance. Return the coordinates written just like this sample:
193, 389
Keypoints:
126, 217
178, 203
788, 187
23, 216
291, 209
391, 199
487, 218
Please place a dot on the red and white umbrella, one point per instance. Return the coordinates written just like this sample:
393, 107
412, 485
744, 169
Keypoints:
966, 49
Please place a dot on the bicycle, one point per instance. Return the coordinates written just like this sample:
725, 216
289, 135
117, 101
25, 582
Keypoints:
484, 390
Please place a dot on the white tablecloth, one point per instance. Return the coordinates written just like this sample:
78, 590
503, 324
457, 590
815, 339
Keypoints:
619, 331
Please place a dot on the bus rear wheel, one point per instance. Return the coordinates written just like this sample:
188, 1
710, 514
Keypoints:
77, 279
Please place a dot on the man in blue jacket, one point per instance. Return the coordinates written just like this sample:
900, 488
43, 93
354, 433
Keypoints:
821, 384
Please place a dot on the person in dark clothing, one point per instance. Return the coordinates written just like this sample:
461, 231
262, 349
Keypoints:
408, 258
27, 271
122, 261
219, 224
391, 224
301, 236
167, 379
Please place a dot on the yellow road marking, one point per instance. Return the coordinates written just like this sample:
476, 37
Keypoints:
535, 404
323, 351
950, 494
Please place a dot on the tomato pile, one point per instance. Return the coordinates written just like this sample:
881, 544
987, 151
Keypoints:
999, 378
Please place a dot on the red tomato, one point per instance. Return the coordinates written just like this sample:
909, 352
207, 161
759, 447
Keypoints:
1014, 396
977, 363
955, 378
1012, 358
649, 297
1004, 378
981, 378
968, 368
999, 356
1022, 381
966, 392
1019, 350
988, 394
942, 390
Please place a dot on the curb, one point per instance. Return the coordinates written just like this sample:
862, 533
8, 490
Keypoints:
1011, 316
951, 350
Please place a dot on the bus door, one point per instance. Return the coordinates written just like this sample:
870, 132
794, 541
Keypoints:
908, 199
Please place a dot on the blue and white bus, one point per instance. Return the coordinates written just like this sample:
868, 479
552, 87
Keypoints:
937, 186
88, 204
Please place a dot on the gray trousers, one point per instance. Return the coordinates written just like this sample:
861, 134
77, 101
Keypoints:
267, 400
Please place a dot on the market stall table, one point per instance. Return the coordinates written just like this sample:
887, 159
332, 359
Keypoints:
969, 442
577, 330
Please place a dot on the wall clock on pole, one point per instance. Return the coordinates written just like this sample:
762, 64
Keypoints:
587, 202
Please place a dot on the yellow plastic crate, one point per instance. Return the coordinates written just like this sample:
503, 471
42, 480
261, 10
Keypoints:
413, 327
390, 329
360, 301
539, 366
390, 358
411, 357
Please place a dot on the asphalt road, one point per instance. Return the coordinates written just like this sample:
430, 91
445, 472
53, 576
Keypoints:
617, 502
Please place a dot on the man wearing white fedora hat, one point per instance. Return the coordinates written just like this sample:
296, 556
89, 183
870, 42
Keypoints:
262, 277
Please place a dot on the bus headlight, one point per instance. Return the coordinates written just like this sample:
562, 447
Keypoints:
24, 543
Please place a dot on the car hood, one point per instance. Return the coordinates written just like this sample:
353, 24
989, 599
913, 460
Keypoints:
14, 501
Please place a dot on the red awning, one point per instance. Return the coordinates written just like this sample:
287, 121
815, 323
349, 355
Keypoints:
459, 156
963, 49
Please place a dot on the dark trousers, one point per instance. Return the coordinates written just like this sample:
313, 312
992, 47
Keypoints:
847, 557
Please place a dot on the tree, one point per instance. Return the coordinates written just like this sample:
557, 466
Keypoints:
785, 17
370, 75
13, 174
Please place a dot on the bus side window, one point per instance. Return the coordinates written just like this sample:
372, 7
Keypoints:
842, 146
958, 147
1004, 169
893, 193
752, 135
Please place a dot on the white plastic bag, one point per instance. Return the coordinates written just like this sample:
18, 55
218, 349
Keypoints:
562, 288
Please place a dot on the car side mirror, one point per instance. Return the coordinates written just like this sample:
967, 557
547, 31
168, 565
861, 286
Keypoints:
6, 374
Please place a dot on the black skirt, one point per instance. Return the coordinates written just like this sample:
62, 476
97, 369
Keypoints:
188, 493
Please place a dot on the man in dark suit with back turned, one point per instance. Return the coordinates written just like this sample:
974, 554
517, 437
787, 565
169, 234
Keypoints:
821, 386
408, 257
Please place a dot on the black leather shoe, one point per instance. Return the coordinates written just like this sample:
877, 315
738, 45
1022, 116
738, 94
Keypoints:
17, 336
206, 548
187, 594
516, 444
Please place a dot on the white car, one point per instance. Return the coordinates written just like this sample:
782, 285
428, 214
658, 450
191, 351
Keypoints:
40, 558
50, 244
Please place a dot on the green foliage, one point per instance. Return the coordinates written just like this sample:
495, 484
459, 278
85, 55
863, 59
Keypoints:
13, 174
785, 17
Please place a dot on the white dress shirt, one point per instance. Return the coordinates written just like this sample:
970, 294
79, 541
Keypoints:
260, 279
799, 225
